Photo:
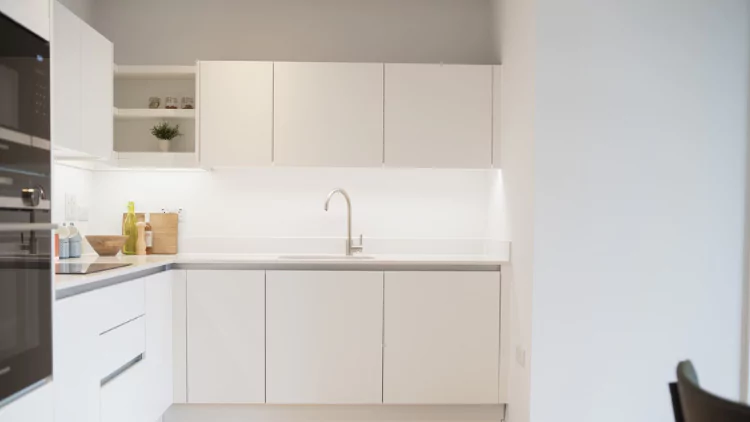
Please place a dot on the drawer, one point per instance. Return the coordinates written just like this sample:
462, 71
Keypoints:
120, 346
119, 304
124, 398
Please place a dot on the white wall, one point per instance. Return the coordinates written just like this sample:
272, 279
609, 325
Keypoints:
516, 40
181, 31
288, 202
69, 180
639, 179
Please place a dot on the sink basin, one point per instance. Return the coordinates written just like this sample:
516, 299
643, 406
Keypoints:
325, 257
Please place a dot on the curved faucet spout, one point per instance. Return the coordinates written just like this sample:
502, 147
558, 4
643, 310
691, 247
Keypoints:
348, 216
344, 194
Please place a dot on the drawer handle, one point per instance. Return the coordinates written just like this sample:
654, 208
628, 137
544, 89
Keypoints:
119, 371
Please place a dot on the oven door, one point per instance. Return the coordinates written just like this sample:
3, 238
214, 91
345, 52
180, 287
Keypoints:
25, 299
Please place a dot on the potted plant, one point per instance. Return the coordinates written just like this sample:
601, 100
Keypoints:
165, 132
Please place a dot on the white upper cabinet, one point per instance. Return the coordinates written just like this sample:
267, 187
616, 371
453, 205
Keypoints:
438, 115
32, 14
66, 79
328, 114
442, 337
97, 95
226, 336
82, 86
497, 86
236, 113
324, 336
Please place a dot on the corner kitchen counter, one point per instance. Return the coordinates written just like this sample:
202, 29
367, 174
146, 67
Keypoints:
141, 266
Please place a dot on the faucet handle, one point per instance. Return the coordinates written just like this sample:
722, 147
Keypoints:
358, 248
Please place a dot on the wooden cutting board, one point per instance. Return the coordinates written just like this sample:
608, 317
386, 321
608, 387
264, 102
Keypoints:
164, 227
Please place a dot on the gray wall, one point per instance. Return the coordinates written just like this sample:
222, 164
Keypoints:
181, 31
84, 9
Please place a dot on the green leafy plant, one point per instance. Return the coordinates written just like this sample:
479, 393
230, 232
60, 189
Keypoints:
166, 131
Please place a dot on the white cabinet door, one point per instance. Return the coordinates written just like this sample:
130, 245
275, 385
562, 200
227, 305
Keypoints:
97, 95
328, 114
33, 14
438, 115
324, 337
441, 337
76, 378
123, 398
179, 336
35, 406
226, 336
158, 356
497, 86
236, 113
66, 79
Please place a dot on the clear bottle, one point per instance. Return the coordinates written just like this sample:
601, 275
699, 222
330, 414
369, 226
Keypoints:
130, 230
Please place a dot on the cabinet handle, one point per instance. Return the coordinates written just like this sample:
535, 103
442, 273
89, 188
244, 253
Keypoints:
119, 371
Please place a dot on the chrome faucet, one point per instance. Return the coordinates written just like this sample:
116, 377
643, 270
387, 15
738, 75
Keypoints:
351, 248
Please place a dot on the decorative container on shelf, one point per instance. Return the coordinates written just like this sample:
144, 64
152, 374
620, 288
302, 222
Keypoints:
188, 103
154, 102
164, 145
171, 103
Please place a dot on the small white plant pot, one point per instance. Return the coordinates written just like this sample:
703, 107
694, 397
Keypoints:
164, 145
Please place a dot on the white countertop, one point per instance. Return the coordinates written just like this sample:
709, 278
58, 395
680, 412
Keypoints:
68, 285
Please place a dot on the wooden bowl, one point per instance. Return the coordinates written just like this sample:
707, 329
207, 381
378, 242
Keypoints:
107, 245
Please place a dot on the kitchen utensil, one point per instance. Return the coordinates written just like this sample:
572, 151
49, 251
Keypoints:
165, 231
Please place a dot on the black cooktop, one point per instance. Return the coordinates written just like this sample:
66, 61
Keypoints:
78, 268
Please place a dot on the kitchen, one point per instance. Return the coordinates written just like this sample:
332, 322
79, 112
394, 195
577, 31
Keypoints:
351, 230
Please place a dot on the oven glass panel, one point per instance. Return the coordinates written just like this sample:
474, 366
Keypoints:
24, 80
25, 300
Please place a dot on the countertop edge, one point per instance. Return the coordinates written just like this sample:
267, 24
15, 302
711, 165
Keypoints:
334, 266
64, 292
68, 291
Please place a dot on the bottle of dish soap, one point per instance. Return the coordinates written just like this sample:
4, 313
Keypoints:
130, 230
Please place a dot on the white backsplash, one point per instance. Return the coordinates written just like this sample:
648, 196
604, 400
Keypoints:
269, 210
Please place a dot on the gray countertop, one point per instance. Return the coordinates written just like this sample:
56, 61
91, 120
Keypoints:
141, 266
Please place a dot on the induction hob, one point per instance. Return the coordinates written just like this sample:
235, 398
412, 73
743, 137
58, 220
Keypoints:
81, 268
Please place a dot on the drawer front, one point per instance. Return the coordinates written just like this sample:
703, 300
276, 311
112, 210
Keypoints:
120, 346
119, 304
124, 398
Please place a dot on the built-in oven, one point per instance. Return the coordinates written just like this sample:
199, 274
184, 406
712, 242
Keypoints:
25, 212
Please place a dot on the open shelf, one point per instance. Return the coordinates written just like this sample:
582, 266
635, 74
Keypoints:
152, 113
154, 72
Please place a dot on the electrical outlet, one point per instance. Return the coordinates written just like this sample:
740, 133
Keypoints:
521, 356
82, 213
179, 211
71, 205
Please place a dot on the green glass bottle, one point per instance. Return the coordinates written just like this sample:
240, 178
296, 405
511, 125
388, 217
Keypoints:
129, 229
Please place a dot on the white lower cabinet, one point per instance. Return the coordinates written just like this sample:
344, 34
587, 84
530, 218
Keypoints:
226, 337
123, 398
324, 337
442, 337
76, 370
159, 356
35, 406
112, 362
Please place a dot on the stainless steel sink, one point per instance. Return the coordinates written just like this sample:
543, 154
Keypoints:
325, 257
